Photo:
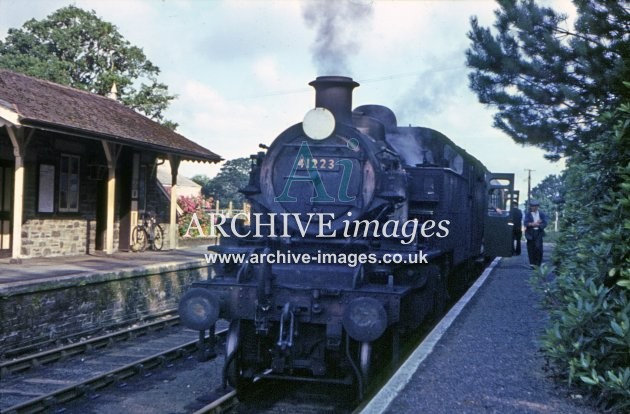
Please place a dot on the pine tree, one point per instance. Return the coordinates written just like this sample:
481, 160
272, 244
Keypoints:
549, 83
566, 91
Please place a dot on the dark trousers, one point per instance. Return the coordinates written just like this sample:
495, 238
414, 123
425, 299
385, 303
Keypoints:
535, 248
516, 243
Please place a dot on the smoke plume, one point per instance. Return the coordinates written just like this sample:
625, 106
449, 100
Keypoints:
338, 24
434, 90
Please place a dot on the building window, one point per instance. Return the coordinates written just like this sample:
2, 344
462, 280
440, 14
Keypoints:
69, 183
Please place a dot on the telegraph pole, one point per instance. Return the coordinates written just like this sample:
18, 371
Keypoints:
529, 185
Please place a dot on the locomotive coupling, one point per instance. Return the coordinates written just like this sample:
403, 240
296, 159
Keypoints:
199, 309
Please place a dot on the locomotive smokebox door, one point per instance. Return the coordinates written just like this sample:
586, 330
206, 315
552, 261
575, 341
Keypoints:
497, 234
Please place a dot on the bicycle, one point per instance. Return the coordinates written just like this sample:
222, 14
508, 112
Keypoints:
149, 234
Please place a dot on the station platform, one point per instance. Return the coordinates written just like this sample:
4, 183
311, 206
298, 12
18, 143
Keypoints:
53, 298
43, 271
483, 357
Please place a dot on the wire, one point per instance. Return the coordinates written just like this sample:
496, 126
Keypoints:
367, 80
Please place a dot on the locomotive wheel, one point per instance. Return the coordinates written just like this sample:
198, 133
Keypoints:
236, 368
442, 291
233, 353
235, 375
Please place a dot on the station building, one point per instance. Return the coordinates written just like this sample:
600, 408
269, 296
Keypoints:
78, 169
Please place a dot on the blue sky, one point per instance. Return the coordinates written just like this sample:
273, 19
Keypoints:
241, 68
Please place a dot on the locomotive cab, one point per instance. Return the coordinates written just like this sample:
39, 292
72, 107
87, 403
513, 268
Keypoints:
498, 225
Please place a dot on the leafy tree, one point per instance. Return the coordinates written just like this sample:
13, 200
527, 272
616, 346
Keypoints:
550, 84
201, 179
233, 176
550, 192
75, 47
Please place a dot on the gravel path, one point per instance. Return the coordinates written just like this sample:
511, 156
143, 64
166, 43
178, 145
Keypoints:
489, 360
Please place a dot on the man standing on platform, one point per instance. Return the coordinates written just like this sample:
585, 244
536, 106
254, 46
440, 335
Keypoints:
516, 215
535, 223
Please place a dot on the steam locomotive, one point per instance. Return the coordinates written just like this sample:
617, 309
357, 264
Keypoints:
357, 200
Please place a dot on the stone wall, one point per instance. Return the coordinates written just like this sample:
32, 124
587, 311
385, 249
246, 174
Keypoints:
54, 309
60, 237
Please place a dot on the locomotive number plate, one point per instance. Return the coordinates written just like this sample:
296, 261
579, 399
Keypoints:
328, 164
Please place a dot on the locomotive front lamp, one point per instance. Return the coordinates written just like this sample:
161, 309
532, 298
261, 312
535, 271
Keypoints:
318, 123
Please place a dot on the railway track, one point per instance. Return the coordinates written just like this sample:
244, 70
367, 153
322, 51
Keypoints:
28, 360
271, 397
220, 405
42, 381
154, 322
55, 380
51, 381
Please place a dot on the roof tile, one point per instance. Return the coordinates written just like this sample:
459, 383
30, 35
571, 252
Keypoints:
43, 103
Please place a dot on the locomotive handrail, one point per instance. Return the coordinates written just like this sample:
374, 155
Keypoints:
245, 267
357, 276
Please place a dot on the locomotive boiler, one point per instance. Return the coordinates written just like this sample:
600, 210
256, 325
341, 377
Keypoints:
360, 231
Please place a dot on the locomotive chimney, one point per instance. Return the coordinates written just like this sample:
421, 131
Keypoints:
335, 94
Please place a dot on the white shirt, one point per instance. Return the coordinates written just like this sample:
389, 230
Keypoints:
535, 217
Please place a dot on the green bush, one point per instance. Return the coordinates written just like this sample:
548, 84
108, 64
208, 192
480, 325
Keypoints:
551, 236
587, 294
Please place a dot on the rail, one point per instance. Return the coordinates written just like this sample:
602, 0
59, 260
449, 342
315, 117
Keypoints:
56, 354
138, 367
220, 405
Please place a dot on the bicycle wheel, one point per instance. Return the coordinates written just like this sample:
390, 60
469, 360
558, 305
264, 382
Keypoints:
158, 237
139, 239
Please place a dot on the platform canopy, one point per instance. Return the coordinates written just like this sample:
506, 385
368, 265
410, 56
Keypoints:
39, 104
